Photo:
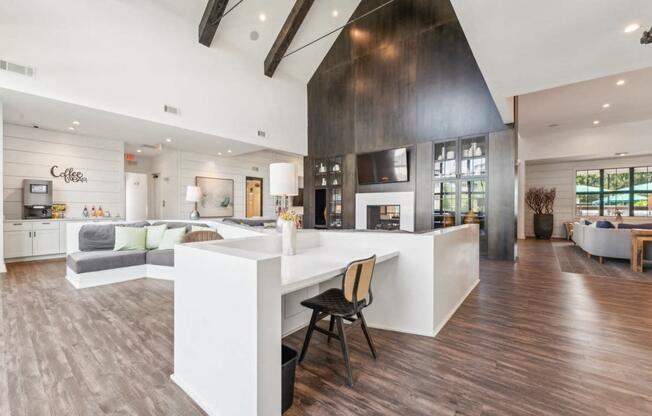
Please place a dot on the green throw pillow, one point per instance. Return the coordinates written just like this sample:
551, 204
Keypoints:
155, 235
199, 228
130, 238
172, 236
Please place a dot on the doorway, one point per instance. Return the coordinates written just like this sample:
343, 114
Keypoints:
254, 197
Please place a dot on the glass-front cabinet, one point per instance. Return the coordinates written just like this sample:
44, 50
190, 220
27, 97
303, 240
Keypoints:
460, 184
328, 192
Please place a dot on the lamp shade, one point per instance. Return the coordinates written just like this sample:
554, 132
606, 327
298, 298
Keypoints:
283, 180
193, 194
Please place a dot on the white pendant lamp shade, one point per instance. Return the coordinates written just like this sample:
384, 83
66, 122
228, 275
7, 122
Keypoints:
283, 179
193, 194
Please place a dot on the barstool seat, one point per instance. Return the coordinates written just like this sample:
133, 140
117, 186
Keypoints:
333, 302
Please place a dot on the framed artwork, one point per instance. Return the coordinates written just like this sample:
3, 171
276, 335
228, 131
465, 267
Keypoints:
217, 197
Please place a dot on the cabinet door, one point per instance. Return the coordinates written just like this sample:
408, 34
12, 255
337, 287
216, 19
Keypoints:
18, 244
45, 242
62, 236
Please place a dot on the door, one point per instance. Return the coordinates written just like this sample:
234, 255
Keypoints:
136, 196
18, 244
45, 242
254, 197
157, 203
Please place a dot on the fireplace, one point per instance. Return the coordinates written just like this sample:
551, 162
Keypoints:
384, 217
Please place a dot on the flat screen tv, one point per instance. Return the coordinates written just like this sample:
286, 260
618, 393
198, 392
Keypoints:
383, 167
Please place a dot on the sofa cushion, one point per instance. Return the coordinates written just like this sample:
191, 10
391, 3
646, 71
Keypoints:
163, 257
624, 226
604, 224
96, 237
138, 224
171, 237
180, 224
154, 235
93, 261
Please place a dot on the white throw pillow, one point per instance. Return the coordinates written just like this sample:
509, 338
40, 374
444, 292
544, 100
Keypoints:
155, 235
171, 237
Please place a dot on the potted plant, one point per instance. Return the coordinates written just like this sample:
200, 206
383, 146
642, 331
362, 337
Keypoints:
542, 201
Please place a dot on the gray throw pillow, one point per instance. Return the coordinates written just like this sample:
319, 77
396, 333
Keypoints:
179, 224
93, 237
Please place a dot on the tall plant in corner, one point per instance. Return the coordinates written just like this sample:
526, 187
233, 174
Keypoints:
542, 202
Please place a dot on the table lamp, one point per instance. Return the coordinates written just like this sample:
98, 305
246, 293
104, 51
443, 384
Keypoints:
194, 194
283, 181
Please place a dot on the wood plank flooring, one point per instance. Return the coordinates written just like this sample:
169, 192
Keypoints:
530, 340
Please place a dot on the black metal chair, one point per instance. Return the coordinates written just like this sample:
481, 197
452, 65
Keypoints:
343, 304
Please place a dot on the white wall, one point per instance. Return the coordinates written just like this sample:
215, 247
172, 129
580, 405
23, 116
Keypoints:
29, 153
132, 57
236, 168
2, 214
561, 175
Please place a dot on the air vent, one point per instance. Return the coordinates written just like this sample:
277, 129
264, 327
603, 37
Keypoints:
262, 133
255, 168
170, 109
17, 69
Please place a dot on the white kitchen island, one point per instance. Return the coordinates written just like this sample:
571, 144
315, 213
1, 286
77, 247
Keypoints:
235, 299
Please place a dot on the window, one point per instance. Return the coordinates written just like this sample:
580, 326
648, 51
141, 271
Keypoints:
605, 192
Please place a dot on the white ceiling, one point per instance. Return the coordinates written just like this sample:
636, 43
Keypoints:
527, 46
578, 105
28, 110
235, 29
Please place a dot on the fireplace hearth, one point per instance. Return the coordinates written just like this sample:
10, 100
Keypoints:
384, 217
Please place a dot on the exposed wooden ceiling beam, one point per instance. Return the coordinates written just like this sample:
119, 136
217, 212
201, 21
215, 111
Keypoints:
286, 35
210, 20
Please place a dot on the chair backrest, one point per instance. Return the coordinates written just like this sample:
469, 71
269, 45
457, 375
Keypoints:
197, 236
356, 284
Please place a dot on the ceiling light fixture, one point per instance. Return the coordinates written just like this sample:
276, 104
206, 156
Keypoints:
335, 13
219, 153
138, 151
262, 17
76, 123
71, 128
168, 140
228, 151
621, 154
596, 122
606, 105
632, 28
620, 82
553, 125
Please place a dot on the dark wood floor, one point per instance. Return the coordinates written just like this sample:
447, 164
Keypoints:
529, 340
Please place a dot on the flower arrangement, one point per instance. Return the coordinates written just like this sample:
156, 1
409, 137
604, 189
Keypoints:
541, 200
289, 215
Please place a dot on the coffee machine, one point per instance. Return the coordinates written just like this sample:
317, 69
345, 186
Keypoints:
37, 199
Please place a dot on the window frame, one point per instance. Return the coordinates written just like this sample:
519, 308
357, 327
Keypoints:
631, 191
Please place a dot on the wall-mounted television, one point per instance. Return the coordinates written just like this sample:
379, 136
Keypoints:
387, 166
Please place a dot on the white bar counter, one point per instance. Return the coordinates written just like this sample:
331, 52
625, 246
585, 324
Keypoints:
236, 298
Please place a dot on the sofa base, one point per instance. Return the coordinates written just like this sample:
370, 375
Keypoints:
123, 274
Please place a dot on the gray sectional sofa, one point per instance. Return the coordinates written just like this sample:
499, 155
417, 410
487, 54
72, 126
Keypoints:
91, 260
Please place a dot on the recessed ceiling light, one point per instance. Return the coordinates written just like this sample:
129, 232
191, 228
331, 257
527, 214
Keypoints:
596, 121
219, 153
632, 28
621, 154
620, 82
229, 151
262, 17
138, 151
76, 123
606, 105
335, 13
168, 140
71, 128
553, 125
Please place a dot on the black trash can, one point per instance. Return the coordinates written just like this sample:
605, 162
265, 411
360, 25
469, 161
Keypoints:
288, 368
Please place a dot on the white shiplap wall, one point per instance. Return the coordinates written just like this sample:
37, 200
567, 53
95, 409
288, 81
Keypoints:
236, 168
29, 153
561, 175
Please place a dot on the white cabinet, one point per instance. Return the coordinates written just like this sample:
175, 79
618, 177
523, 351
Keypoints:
18, 244
31, 238
45, 242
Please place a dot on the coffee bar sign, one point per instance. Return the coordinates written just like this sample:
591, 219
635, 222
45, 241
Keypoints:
68, 175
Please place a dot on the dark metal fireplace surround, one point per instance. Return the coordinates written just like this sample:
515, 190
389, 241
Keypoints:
384, 217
